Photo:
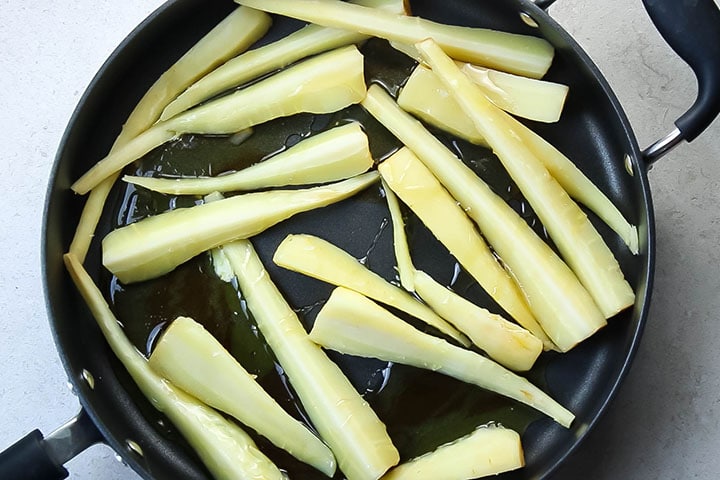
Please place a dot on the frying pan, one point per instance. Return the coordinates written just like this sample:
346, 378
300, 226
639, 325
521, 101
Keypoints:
584, 380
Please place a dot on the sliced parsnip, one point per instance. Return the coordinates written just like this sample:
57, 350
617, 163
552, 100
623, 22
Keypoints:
322, 84
556, 298
439, 211
579, 243
353, 324
307, 41
192, 359
333, 155
231, 36
521, 54
505, 342
426, 97
321, 259
156, 245
489, 450
402, 251
225, 449
344, 420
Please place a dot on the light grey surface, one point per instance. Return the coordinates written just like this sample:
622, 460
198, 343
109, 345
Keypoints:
664, 423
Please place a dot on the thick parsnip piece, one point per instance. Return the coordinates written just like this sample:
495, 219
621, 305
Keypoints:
426, 97
579, 243
440, 213
345, 421
405, 267
556, 298
231, 36
192, 359
521, 54
225, 449
353, 324
308, 41
333, 155
321, 259
156, 245
489, 450
505, 342
322, 84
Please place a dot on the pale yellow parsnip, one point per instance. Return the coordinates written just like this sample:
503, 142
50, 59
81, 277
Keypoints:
406, 270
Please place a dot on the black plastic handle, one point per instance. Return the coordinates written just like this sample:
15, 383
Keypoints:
692, 29
29, 458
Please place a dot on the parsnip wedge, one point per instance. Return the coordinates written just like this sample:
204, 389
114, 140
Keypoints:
333, 155
521, 54
489, 450
225, 449
440, 213
345, 421
579, 243
321, 259
156, 245
556, 298
308, 41
322, 84
426, 97
228, 38
192, 359
353, 324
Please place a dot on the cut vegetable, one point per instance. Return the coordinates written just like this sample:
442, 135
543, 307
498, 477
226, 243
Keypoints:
489, 450
426, 97
320, 259
405, 266
225, 449
556, 298
336, 154
192, 359
503, 341
322, 84
307, 41
579, 243
351, 323
156, 245
521, 54
441, 214
344, 420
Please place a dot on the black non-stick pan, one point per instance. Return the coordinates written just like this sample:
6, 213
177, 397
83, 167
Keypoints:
421, 410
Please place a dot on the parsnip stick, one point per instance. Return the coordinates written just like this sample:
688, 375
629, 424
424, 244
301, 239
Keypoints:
521, 54
322, 84
556, 298
320, 259
579, 243
344, 420
405, 267
156, 245
426, 97
353, 324
225, 449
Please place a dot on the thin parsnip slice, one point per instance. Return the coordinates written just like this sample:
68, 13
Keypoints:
426, 97
333, 155
505, 342
488, 450
558, 301
345, 421
521, 54
225, 449
353, 324
193, 360
309, 40
228, 38
322, 84
405, 267
320, 259
418, 188
579, 243
156, 245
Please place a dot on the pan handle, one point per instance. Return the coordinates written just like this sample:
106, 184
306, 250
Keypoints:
35, 457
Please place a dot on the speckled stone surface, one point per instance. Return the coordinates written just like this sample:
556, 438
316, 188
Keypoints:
664, 424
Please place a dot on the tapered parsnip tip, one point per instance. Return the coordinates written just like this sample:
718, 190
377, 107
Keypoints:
632, 241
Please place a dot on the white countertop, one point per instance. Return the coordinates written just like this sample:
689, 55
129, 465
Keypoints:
664, 424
